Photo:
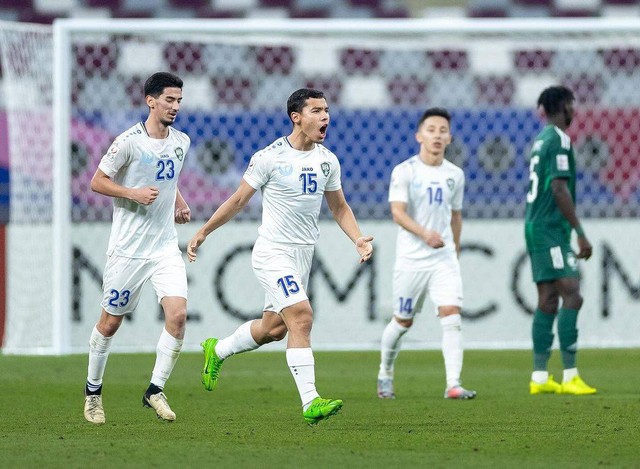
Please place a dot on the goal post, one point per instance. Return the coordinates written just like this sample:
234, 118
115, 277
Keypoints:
83, 78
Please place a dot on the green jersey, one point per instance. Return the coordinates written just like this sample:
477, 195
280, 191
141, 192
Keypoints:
551, 158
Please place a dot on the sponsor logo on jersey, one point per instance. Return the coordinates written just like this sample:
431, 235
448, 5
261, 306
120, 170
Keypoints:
179, 153
307, 168
562, 162
326, 169
450, 183
147, 158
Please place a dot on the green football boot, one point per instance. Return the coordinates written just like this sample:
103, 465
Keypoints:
321, 409
212, 364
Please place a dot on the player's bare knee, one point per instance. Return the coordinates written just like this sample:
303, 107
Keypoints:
300, 321
549, 304
108, 324
444, 311
572, 301
278, 332
404, 322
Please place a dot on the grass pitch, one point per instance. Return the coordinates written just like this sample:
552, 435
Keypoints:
253, 418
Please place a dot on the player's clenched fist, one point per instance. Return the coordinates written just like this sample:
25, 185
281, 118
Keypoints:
145, 195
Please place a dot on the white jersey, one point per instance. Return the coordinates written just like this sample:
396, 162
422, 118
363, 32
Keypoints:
136, 160
293, 183
431, 193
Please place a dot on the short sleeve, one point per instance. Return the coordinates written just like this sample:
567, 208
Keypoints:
117, 156
334, 182
458, 193
557, 155
399, 184
258, 171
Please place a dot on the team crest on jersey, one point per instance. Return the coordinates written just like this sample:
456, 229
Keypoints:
285, 169
326, 169
450, 184
179, 153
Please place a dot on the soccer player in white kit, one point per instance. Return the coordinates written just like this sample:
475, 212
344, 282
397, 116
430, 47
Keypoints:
426, 194
293, 173
140, 171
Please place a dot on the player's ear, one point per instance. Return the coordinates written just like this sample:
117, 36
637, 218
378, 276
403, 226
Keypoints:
151, 101
295, 117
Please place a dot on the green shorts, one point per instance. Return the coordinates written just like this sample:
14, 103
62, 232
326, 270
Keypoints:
553, 263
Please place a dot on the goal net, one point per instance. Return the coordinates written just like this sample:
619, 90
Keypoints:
70, 90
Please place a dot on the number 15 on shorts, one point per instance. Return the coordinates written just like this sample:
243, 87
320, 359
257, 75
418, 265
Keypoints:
288, 285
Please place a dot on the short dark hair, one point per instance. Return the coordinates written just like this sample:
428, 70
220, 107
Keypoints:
434, 111
553, 98
298, 99
156, 83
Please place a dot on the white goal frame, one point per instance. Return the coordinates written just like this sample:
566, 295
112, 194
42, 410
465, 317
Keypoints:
374, 30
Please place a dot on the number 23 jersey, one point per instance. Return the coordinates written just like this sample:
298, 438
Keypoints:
136, 160
293, 183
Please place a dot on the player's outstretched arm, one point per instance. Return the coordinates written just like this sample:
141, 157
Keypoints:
564, 201
345, 218
103, 184
222, 215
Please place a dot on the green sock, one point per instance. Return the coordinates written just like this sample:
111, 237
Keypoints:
568, 336
542, 335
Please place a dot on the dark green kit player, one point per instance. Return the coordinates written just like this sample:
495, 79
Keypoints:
550, 218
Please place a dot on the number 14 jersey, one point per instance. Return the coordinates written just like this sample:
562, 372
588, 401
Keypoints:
431, 193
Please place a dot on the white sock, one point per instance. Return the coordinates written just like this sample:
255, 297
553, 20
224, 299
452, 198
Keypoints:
540, 377
240, 341
302, 366
390, 347
568, 374
452, 348
167, 352
98, 354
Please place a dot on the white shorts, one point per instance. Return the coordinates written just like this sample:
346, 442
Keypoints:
283, 271
443, 284
124, 278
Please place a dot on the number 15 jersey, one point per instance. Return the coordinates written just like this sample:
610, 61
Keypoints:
431, 193
293, 183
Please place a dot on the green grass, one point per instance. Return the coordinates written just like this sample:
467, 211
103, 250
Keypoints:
253, 418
